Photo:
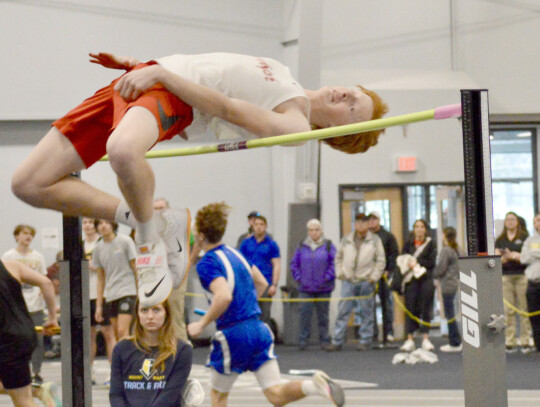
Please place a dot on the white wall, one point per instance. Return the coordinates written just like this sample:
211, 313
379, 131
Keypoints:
405, 50
46, 69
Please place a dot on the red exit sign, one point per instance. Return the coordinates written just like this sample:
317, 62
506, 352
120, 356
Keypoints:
405, 164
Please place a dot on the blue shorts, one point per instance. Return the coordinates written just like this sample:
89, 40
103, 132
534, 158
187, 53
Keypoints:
246, 345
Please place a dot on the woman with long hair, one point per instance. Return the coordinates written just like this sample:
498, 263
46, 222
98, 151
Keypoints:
508, 245
151, 367
447, 272
419, 288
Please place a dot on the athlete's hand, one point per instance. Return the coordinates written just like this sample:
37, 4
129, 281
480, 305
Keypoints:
195, 329
50, 328
272, 290
98, 316
131, 85
113, 61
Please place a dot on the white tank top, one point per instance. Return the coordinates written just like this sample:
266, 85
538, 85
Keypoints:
263, 82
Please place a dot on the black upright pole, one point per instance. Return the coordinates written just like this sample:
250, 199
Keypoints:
75, 306
477, 162
481, 300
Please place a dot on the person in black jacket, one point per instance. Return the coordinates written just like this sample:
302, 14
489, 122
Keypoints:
391, 251
18, 337
420, 290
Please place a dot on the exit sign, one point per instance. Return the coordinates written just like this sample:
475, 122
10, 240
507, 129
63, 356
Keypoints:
405, 164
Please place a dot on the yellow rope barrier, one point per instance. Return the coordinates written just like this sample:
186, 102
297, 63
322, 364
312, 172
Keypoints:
520, 311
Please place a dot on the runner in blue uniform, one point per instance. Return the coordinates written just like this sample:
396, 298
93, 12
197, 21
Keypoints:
242, 342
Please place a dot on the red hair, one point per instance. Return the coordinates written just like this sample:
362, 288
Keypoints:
361, 142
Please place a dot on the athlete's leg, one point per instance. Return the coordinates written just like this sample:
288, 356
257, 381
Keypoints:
123, 323
218, 399
277, 391
221, 385
110, 340
93, 344
136, 133
43, 180
114, 326
282, 394
21, 397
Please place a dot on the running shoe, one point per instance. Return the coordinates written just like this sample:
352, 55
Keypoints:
408, 346
174, 227
193, 393
329, 388
154, 284
49, 395
450, 348
37, 380
427, 345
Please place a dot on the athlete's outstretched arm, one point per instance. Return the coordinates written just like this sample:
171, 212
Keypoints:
256, 120
220, 303
28, 276
113, 61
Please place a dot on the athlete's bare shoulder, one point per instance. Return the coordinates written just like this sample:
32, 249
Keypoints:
13, 268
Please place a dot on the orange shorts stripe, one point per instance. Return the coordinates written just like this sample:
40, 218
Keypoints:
89, 125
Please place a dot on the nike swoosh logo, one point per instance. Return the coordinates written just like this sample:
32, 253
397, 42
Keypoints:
179, 246
166, 121
155, 288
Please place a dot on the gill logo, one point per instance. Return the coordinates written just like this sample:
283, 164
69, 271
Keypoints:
148, 368
469, 310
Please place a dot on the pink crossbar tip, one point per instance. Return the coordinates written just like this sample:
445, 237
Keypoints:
448, 111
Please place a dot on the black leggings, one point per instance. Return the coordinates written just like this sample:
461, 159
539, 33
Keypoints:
419, 296
533, 303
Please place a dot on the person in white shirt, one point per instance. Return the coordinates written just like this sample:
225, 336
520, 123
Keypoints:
91, 237
114, 259
23, 253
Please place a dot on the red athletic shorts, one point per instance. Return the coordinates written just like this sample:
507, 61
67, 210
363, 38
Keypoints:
90, 124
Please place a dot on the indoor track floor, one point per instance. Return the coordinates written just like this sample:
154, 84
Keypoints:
247, 393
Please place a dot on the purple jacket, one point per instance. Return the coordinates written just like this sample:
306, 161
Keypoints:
314, 270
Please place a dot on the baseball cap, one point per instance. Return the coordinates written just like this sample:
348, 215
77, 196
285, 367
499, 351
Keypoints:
375, 214
254, 214
361, 216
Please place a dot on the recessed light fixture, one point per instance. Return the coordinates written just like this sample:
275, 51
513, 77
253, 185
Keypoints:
524, 134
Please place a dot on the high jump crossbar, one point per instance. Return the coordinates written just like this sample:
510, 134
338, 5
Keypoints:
439, 113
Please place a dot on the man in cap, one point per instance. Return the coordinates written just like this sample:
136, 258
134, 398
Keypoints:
251, 219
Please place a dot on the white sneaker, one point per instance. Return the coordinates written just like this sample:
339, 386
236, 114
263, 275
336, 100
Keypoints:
329, 388
193, 393
154, 284
450, 348
427, 345
174, 227
48, 394
408, 346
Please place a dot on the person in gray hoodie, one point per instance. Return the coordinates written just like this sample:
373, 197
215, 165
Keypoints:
360, 262
447, 272
530, 255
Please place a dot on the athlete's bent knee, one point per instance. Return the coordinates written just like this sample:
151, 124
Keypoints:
25, 189
273, 394
122, 156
